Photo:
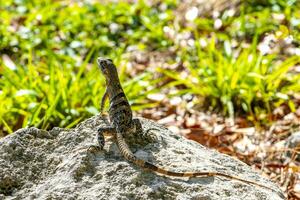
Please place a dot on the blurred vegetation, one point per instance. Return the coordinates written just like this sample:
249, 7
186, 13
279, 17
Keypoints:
48, 74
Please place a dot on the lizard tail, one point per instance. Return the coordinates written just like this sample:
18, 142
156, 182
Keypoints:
126, 152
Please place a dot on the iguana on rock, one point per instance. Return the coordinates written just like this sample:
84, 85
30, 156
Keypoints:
122, 124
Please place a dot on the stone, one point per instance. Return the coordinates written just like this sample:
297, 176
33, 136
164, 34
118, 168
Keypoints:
59, 164
293, 142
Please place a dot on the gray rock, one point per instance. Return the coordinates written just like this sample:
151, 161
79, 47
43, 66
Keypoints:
59, 164
293, 142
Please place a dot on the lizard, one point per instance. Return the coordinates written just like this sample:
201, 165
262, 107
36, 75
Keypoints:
122, 124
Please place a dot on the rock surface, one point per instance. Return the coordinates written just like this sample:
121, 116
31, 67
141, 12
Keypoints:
293, 142
59, 164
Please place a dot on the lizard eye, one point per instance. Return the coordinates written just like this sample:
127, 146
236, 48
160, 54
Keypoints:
102, 67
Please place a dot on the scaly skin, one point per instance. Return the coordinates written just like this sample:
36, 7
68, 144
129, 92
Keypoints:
120, 115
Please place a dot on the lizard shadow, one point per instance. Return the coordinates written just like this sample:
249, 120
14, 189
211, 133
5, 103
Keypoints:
144, 138
150, 178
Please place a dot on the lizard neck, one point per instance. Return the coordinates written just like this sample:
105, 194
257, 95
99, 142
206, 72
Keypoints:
113, 89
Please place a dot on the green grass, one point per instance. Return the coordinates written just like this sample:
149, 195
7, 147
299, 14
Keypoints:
251, 82
241, 80
45, 94
54, 80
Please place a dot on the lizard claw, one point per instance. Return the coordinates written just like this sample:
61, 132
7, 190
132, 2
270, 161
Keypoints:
94, 148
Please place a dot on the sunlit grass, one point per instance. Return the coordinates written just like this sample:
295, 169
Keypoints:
53, 79
53, 46
45, 94
250, 82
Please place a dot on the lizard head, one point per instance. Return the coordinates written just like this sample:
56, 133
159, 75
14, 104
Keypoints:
108, 68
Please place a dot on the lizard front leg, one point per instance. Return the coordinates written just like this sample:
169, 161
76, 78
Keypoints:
107, 131
103, 100
104, 131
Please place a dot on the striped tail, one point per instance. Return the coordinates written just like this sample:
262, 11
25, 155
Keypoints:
126, 152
